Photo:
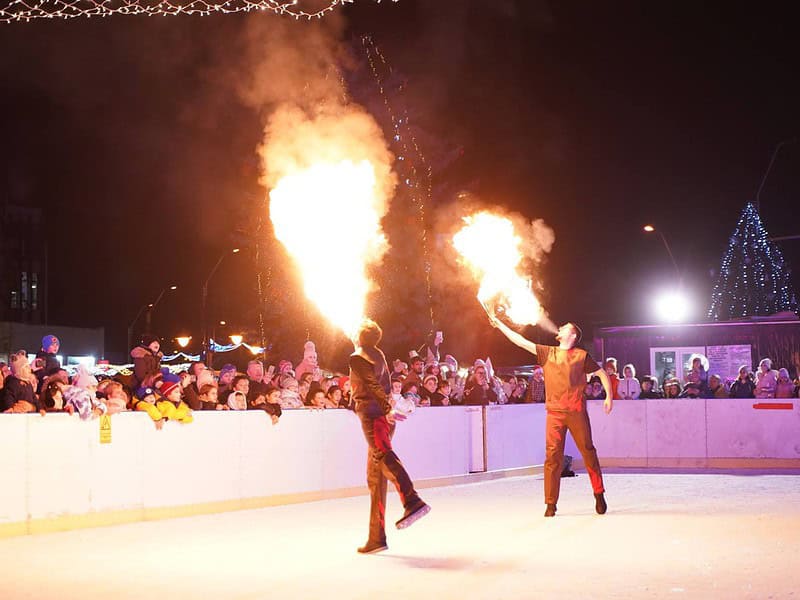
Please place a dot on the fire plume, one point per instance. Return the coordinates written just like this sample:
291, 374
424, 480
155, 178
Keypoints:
328, 216
492, 249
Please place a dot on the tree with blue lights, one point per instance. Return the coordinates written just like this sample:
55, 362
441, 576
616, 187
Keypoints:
754, 278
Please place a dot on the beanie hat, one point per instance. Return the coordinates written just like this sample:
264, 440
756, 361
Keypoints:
427, 377
283, 364
48, 341
341, 382
414, 356
143, 392
168, 386
227, 368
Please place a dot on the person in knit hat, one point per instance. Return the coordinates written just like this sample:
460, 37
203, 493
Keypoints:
226, 375
309, 364
171, 406
19, 395
48, 355
144, 400
146, 361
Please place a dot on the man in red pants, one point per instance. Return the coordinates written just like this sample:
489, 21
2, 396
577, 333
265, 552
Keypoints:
369, 388
565, 370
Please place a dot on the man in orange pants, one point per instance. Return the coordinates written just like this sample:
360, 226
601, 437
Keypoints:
565, 370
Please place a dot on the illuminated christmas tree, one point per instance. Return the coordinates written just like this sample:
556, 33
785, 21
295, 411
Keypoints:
754, 278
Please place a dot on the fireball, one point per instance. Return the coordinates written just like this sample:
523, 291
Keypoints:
328, 218
491, 248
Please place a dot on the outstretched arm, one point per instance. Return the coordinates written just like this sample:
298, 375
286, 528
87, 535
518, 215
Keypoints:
608, 403
513, 336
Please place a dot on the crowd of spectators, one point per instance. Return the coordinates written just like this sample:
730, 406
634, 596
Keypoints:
765, 383
45, 386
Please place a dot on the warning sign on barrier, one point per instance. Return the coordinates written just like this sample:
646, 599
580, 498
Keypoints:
105, 429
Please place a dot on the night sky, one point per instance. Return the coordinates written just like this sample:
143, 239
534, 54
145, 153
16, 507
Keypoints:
128, 132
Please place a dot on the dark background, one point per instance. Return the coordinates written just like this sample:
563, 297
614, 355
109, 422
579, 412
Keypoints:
595, 118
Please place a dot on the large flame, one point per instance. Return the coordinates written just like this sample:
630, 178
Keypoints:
328, 218
491, 248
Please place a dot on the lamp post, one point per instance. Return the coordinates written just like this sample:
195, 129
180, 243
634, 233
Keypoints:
149, 306
651, 229
204, 298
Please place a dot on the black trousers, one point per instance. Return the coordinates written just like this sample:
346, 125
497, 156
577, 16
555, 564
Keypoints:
382, 465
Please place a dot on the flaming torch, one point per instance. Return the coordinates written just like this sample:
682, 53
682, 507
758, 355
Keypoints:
328, 218
492, 249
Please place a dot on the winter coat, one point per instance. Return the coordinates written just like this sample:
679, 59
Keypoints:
629, 389
784, 390
766, 384
19, 392
175, 412
476, 395
145, 364
743, 389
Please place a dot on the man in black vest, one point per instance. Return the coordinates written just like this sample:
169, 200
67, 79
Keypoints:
370, 386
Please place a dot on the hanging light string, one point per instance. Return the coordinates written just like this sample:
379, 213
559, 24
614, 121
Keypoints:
25, 10
403, 136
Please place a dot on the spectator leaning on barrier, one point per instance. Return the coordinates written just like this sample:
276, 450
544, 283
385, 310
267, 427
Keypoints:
743, 387
171, 404
19, 395
536, 389
478, 391
628, 387
442, 395
715, 387
650, 388
209, 398
784, 387
672, 388
766, 380
610, 366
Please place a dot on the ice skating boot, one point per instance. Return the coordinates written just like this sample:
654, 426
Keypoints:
373, 547
600, 504
550, 511
413, 513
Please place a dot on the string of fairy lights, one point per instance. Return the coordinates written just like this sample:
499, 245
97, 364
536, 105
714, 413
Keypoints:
404, 137
27, 10
754, 278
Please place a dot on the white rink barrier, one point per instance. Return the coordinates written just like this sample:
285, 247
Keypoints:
56, 474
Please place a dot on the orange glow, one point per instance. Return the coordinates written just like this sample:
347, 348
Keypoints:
491, 248
328, 218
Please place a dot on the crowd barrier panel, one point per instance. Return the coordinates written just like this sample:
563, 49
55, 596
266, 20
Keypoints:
55, 470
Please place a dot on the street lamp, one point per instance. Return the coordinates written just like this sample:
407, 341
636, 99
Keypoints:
236, 339
650, 229
183, 340
205, 297
672, 306
149, 306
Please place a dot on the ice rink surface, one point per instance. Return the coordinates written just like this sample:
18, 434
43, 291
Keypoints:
666, 535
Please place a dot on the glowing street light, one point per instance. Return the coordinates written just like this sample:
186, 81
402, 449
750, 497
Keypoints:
183, 340
672, 306
236, 339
